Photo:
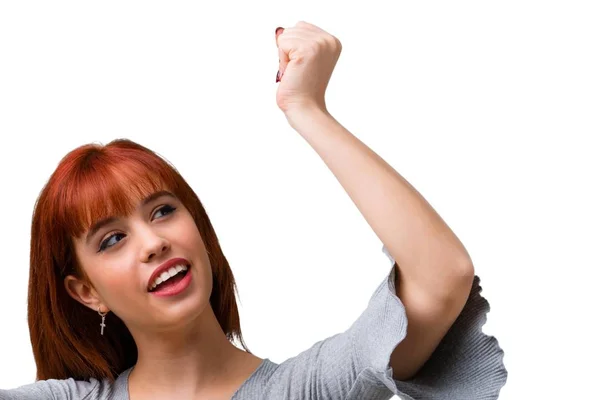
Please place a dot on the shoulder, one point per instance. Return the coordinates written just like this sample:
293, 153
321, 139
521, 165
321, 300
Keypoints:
70, 389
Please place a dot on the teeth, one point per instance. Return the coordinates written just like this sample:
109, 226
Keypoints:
168, 274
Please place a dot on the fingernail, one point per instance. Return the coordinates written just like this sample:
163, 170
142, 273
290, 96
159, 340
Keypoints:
277, 30
278, 77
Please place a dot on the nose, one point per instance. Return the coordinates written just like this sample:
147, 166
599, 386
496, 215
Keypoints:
154, 245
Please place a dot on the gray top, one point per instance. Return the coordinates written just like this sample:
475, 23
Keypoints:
352, 365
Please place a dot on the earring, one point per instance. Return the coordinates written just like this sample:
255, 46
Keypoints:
102, 325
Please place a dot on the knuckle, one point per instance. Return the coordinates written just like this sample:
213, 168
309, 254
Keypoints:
323, 41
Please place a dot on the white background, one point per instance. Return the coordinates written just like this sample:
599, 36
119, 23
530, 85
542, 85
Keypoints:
490, 109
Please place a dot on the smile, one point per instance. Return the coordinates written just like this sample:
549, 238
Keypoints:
170, 273
174, 284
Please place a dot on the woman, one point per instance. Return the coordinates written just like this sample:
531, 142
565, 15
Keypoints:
131, 296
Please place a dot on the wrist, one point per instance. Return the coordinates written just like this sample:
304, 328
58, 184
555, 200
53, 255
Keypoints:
298, 115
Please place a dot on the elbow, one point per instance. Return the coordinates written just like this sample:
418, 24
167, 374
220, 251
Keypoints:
466, 271
462, 268
451, 288
457, 274
464, 274
457, 282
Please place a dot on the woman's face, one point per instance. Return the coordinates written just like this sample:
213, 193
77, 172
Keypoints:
120, 255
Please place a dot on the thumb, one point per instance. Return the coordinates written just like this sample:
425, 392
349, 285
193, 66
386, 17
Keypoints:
283, 57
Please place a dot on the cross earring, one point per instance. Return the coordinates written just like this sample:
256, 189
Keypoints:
102, 325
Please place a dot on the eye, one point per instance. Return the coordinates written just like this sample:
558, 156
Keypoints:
108, 240
165, 209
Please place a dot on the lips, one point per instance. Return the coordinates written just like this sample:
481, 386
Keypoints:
165, 267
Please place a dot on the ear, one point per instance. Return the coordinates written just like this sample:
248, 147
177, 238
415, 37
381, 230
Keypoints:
83, 292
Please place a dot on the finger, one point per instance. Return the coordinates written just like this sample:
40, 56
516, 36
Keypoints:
293, 38
283, 57
308, 26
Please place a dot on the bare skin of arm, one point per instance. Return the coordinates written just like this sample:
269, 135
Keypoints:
434, 270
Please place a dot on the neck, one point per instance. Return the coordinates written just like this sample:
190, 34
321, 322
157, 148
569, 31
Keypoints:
194, 361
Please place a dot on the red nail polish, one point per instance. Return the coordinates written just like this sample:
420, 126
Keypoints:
278, 77
277, 30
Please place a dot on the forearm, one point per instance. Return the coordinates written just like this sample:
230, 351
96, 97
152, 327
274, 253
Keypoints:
425, 248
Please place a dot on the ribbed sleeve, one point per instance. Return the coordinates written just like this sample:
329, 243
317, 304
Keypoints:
354, 364
467, 364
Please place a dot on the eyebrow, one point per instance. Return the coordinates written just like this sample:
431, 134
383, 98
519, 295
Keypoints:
109, 220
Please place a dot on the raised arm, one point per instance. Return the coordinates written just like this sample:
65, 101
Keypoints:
434, 271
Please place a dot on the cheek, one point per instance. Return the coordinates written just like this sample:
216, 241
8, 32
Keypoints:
116, 283
193, 238
201, 249
122, 294
197, 249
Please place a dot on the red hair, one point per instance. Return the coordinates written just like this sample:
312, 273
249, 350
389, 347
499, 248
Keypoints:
90, 183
